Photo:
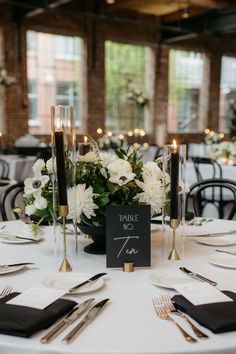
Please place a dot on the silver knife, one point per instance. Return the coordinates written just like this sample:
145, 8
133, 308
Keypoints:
228, 252
93, 312
88, 281
214, 234
197, 276
71, 317
14, 264
10, 236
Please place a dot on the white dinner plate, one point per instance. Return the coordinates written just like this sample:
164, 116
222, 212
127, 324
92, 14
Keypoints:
11, 269
65, 281
226, 240
12, 239
169, 280
223, 260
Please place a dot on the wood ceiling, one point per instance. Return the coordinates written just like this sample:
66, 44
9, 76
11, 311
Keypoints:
178, 19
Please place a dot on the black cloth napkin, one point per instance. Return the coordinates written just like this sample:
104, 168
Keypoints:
218, 317
24, 321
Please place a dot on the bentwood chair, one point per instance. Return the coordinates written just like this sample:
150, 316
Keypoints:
12, 198
201, 163
4, 169
223, 199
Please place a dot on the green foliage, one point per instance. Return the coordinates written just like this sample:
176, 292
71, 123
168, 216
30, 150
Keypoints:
125, 63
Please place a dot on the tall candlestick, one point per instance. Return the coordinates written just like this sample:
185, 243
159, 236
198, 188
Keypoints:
174, 182
61, 171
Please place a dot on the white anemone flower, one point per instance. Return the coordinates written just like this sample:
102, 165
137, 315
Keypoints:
152, 195
184, 187
122, 178
30, 209
35, 184
50, 166
151, 172
40, 202
119, 166
91, 156
38, 166
80, 200
107, 158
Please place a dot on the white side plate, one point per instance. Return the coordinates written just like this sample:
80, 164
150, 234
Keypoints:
7, 270
223, 260
65, 281
217, 241
169, 280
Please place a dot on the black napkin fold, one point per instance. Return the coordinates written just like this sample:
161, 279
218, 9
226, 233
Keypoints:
24, 321
218, 317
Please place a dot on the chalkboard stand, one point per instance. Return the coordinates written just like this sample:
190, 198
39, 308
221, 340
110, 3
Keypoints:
128, 267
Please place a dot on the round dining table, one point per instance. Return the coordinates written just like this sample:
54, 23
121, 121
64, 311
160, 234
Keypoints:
128, 324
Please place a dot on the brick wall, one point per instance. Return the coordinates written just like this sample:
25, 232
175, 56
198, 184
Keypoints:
95, 30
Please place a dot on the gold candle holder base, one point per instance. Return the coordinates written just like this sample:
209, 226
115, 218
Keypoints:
65, 266
174, 256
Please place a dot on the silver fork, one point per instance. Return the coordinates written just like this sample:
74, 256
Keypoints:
170, 308
163, 315
6, 291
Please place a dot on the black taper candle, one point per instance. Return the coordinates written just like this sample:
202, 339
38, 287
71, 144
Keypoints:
61, 170
174, 184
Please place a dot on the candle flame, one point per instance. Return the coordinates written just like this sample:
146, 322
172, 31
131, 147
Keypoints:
85, 139
174, 144
0, 134
57, 124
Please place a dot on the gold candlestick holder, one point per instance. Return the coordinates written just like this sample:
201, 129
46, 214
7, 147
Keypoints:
65, 266
174, 255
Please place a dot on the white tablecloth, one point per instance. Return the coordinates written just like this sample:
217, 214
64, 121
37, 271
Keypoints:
228, 171
20, 167
128, 324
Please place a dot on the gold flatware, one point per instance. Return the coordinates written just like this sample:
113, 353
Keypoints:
163, 315
14, 265
6, 291
93, 312
170, 308
77, 311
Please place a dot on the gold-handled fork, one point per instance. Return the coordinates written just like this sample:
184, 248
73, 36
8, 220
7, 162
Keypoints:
6, 291
170, 308
163, 315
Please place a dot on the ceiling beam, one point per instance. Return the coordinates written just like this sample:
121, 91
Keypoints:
209, 23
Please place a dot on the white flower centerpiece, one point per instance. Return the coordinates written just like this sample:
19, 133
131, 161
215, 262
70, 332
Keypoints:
101, 180
224, 152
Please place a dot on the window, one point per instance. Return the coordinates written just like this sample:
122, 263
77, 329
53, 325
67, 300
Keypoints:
67, 94
126, 99
32, 97
31, 41
51, 79
227, 90
67, 48
185, 91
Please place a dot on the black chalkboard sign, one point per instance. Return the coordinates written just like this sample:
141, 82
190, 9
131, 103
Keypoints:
128, 235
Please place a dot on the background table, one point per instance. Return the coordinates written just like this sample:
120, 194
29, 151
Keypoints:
128, 324
228, 172
20, 167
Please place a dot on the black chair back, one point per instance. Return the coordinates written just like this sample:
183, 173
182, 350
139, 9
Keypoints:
4, 169
12, 198
224, 198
